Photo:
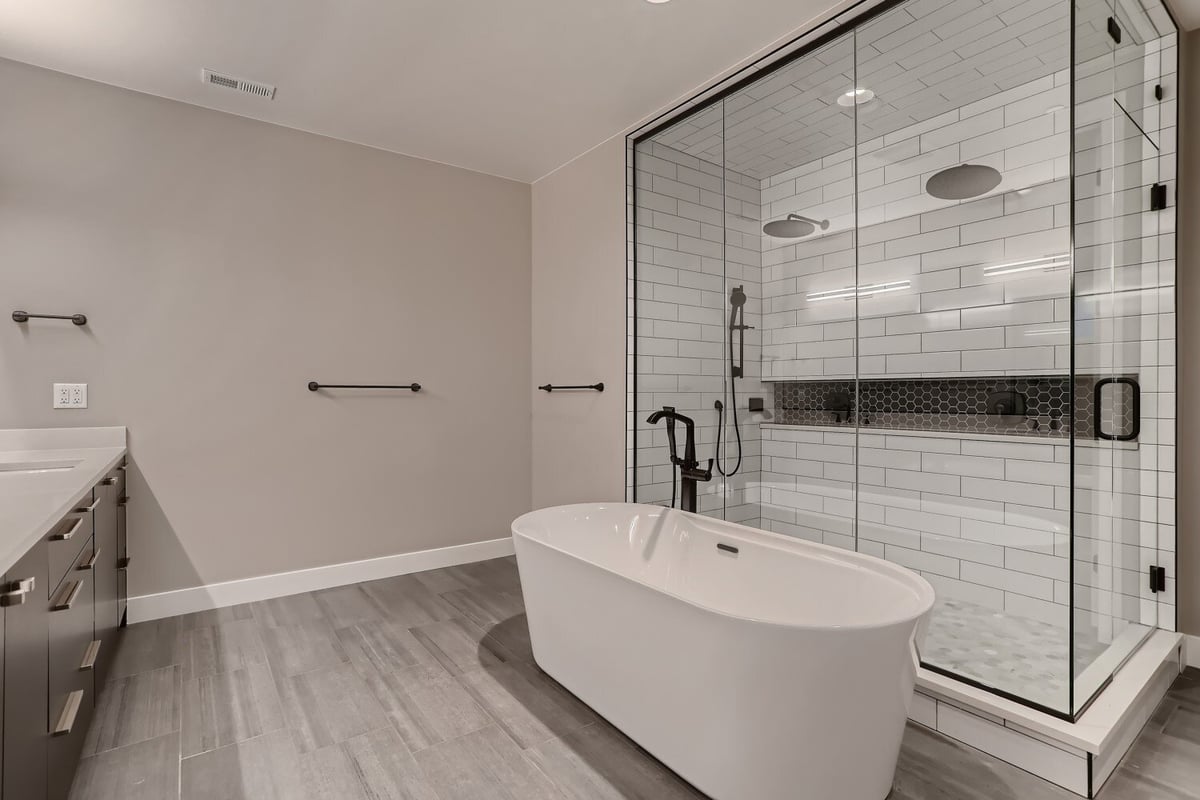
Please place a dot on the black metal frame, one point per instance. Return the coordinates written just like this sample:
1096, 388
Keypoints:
314, 386
25, 316
771, 62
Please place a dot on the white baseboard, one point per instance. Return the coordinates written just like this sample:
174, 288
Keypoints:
1191, 650
247, 590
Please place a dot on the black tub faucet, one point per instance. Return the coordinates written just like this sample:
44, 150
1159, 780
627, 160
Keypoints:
689, 468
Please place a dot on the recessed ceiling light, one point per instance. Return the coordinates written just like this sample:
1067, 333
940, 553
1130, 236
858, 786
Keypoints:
658, 2
856, 97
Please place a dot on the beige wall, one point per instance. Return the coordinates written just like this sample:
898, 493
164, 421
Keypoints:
223, 264
579, 328
1188, 450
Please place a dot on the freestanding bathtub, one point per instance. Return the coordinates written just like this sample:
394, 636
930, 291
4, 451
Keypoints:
756, 666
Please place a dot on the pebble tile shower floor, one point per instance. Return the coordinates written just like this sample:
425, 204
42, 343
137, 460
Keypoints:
423, 687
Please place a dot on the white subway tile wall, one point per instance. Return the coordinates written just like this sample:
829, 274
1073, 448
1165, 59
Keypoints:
698, 230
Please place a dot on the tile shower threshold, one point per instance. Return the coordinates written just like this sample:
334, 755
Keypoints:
1100, 726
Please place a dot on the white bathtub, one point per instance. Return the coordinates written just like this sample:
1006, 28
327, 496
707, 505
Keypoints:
781, 671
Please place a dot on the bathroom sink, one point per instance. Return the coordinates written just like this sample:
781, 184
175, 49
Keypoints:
34, 467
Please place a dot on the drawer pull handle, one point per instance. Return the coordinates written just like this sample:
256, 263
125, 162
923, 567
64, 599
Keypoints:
86, 509
66, 718
90, 655
76, 524
124, 563
110, 481
14, 593
72, 594
91, 562
122, 467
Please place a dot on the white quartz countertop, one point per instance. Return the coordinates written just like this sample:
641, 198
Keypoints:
44, 473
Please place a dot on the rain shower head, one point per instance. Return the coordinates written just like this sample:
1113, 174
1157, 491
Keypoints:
963, 182
794, 226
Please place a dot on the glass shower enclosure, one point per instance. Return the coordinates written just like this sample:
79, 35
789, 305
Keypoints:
914, 281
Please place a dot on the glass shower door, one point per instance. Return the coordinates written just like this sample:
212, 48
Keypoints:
1121, 307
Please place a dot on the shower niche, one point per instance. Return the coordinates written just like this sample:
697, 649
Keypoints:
935, 243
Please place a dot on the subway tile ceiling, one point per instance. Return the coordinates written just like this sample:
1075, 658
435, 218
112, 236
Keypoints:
921, 60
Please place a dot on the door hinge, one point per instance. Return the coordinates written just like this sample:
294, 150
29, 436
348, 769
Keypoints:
1158, 579
1114, 30
1158, 197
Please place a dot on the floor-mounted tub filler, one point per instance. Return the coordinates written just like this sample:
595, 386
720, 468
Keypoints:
752, 664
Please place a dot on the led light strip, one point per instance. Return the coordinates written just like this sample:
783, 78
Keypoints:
868, 290
1044, 263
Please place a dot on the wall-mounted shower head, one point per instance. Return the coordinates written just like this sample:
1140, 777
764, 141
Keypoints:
794, 226
963, 182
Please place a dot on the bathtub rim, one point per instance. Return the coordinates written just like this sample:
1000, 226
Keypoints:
926, 595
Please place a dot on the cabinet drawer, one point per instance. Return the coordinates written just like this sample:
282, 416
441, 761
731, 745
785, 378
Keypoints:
72, 676
66, 541
69, 721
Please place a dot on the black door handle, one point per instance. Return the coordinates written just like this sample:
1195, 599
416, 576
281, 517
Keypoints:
1098, 426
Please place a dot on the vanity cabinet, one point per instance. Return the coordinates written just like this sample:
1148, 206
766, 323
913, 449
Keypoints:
27, 674
61, 610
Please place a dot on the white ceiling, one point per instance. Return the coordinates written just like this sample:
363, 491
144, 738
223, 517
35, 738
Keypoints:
514, 88
921, 59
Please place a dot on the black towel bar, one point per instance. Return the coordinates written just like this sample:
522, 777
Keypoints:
549, 387
313, 386
25, 316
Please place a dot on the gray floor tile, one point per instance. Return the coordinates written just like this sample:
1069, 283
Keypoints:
327, 706
134, 709
447, 579
392, 690
485, 607
1160, 762
302, 647
147, 770
407, 601
426, 705
382, 645
147, 646
347, 605
216, 616
229, 707
485, 765
213, 649
373, 766
528, 705
498, 574
513, 635
599, 763
933, 767
290, 610
461, 646
265, 768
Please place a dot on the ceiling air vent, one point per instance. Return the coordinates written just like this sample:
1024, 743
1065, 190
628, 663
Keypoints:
265, 90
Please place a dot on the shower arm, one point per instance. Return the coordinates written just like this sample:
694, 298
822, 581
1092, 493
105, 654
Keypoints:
814, 222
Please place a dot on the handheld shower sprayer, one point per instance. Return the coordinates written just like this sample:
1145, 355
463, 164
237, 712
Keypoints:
737, 322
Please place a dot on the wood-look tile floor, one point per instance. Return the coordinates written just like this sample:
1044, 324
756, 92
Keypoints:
423, 687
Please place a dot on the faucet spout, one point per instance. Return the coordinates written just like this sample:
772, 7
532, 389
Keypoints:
689, 466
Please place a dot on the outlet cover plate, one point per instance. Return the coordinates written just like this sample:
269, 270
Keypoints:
70, 395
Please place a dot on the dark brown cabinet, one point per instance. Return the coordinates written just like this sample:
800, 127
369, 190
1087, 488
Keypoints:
107, 572
26, 674
61, 609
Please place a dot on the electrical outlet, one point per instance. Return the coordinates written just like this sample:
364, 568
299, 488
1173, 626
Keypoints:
70, 395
